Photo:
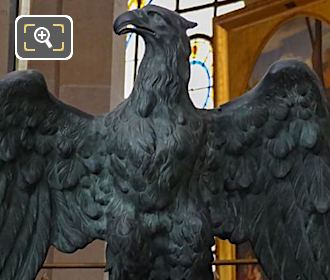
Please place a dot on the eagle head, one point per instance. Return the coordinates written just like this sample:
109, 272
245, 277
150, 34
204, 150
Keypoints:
155, 24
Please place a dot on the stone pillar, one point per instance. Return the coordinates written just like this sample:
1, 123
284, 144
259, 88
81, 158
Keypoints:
50, 69
93, 81
85, 80
118, 59
4, 35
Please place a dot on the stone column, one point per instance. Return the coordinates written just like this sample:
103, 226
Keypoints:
4, 35
93, 81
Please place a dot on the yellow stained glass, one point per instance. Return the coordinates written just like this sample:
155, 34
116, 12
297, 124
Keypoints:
134, 4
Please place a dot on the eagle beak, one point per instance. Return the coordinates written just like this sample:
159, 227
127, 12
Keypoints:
131, 22
124, 20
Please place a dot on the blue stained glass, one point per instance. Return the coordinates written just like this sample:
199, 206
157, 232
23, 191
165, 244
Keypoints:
201, 82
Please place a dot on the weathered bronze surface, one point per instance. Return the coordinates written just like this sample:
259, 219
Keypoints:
158, 179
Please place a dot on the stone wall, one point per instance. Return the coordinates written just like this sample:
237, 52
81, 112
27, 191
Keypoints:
4, 35
92, 80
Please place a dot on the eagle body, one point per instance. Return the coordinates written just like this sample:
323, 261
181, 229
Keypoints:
155, 181
158, 179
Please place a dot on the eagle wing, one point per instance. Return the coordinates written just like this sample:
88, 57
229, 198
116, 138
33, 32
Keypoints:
53, 180
267, 174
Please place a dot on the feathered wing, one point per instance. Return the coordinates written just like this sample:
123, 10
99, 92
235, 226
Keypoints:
52, 176
267, 177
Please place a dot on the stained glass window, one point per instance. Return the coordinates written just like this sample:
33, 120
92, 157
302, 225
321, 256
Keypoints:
201, 60
184, 4
203, 18
201, 82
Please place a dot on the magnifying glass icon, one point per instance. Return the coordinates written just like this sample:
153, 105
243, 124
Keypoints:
42, 35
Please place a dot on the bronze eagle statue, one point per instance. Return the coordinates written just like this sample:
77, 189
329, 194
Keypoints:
158, 179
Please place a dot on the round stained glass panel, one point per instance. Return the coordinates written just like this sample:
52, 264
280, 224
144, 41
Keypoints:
201, 81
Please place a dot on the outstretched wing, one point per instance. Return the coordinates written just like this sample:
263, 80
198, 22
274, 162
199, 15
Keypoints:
267, 177
52, 176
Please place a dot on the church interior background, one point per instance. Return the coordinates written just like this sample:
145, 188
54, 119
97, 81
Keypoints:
104, 66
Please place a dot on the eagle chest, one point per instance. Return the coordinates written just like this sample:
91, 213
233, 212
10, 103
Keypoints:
156, 157
171, 160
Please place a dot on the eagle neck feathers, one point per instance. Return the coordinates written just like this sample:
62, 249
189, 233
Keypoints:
163, 78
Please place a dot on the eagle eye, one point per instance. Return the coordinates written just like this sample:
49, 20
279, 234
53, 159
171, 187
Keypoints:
152, 13
155, 15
